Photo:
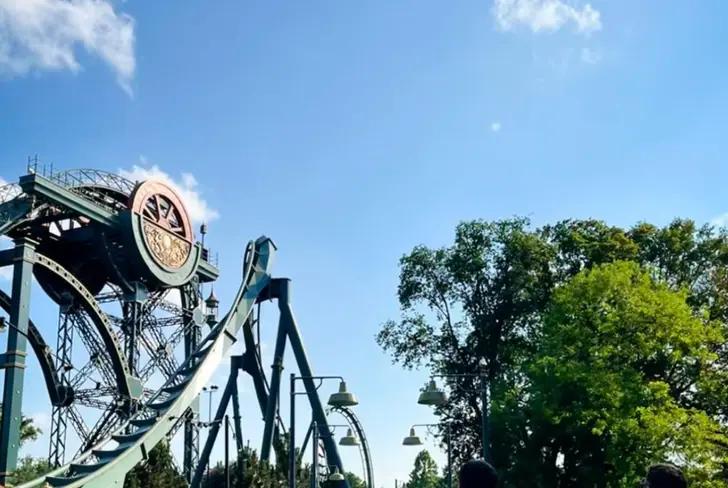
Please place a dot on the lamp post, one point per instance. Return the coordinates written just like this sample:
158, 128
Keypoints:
349, 440
434, 396
227, 452
210, 390
342, 398
413, 440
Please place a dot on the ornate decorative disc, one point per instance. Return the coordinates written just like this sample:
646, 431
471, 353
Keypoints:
165, 223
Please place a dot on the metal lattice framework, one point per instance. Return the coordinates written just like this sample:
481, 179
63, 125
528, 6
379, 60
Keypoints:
118, 259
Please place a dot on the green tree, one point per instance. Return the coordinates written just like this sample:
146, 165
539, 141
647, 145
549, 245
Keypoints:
28, 430
30, 468
472, 307
257, 473
481, 305
424, 473
159, 471
619, 351
354, 480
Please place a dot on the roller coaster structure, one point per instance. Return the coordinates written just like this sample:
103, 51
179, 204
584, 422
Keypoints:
120, 260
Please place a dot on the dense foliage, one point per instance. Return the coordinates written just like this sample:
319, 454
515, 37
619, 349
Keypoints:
424, 473
602, 348
159, 470
30, 468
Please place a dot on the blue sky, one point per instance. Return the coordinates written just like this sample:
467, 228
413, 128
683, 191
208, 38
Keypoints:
350, 132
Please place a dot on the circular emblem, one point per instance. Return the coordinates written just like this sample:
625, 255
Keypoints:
165, 223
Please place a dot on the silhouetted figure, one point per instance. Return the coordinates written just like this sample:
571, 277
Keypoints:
664, 476
478, 474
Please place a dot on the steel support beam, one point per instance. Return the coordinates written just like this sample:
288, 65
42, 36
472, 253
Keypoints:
271, 411
190, 298
304, 367
59, 416
214, 427
34, 184
15, 370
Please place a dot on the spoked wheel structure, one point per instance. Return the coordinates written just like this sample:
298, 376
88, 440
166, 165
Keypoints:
135, 346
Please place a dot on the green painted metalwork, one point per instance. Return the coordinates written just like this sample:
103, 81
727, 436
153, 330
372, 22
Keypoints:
45, 189
128, 384
14, 373
93, 248
176, 395
56, 392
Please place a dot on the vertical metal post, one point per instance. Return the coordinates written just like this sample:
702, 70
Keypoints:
271, 411
292, 437
134, 301
59, 414
314, 450
236, 420
14, 359
190, 297
227, 452
214, 429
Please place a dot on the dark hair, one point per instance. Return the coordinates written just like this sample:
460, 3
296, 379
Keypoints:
478, 474
665, 476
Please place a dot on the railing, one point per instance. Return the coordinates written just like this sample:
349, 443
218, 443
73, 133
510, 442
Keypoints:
84, 177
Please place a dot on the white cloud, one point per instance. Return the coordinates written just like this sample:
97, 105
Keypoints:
590, 56
186, 187
545, 15
495, 126
720, 221
44, 34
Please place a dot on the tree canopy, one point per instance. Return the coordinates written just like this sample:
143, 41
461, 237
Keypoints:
424, 472
602, 347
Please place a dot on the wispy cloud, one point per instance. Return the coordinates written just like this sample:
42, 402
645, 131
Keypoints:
720, 221
40, 35
495, 126
186, 185
545, 15
590, 56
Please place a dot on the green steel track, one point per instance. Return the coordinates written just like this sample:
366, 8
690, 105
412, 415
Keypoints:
108, 462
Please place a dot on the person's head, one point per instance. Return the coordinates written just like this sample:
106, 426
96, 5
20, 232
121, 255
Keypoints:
478, 474
664, 476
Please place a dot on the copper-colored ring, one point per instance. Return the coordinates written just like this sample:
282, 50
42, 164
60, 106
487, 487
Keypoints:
148, 189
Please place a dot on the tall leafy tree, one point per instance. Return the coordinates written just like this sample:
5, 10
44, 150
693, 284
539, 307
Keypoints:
424, 473
472, 308
480, 305
619, 351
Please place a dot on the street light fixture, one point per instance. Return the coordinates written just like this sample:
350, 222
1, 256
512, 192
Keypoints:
343, 398
414, 440
349, 439
335, 475
433, 396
